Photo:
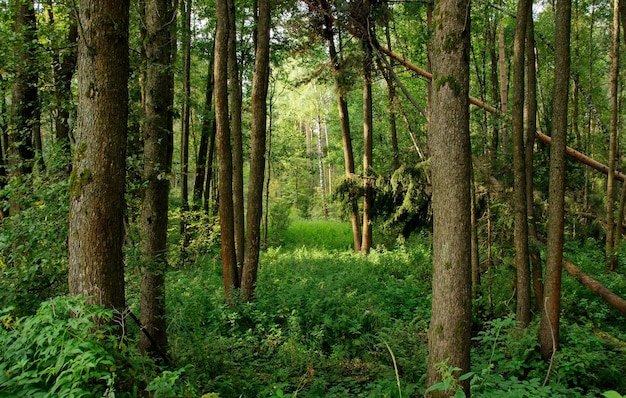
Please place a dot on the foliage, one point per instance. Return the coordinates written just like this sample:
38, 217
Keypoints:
68, 348
33, 240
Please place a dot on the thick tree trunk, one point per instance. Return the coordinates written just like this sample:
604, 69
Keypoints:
96, 224
158, 146
227, 233
549, 329
450, 326
260, 84
522, 264
602, 291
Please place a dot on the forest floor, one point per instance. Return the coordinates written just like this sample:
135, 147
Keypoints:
330, 323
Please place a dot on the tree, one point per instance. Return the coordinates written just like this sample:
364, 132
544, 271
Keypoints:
550, 317
344, 118
450, 324
96, 229
158, 145
185, 6
25, 93
207, 135
237, 137
522, 264
611, 256
260, 83
227, 234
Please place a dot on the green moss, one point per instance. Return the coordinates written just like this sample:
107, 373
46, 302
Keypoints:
451, 82
78, 182
448, 265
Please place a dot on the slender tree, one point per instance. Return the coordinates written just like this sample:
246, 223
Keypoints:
260, 83
158, 145
24, 93
206, 135
611, 256
235, 99
227, 234
344, 118
522, 264
185, 6
549, 329
96, 229
368, 178
450, 325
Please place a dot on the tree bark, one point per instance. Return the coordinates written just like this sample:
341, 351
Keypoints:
185, 125
206, 133
227, 233
260, 84
25, 93
96, 224
237, 138
368, 178
531, 128
450, 326
344, 120
157, 130
522, 264
549, 329
610, 255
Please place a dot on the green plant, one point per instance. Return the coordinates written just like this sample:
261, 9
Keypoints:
449, 384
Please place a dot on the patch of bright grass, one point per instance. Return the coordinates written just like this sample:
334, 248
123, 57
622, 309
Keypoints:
328, 234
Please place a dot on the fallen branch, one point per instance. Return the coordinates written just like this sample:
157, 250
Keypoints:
582, 158
579, 156
605, 294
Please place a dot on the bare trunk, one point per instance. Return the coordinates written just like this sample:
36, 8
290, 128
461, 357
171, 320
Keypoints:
260, 83
549, 330
522, 264
184, 130
368, 178
227, 233
450, 326
157, 130
602, 291
96, 225
611, 256
205, 137
237, 138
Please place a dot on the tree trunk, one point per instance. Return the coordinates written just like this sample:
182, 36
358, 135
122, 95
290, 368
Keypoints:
368, 177
96, 224
504, 87
611, 256
344, 120
25, 93
237, 138
205, 136
450, 326
157, 130
260, 83
531, 127
184, 128
391, 92
549, 329
227, 233
522, 264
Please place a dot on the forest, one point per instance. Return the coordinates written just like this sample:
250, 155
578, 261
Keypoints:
312, 198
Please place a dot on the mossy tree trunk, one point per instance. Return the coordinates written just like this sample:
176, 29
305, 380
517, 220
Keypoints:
96, 224
158, 145
450, 326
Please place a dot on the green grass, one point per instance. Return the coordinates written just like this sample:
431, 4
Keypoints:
320, 234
